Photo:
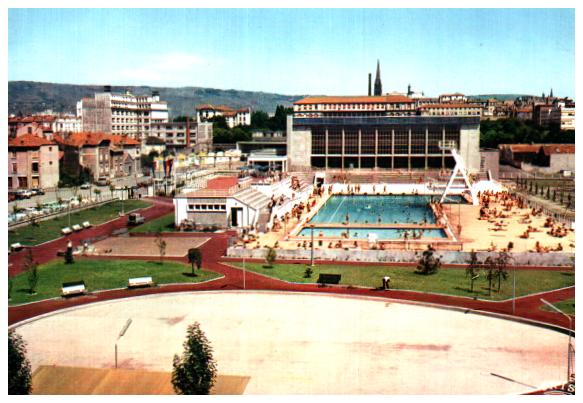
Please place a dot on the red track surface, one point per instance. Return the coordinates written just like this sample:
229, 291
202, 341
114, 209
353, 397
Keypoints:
213, 250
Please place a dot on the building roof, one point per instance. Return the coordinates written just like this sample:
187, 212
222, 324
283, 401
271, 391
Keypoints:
220, 108
94, 139
381, 99
449, 106
204, 193
550, 149
522, 148
29, 141
31, 119
526, 109
450, 95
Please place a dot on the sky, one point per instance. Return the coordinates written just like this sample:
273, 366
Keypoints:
299, 51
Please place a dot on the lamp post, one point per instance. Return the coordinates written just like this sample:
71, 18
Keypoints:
513, 289
121, 333
312, 244
554, 308
244, 247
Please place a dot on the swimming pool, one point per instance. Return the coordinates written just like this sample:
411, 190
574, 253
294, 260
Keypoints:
382, 233
376, 210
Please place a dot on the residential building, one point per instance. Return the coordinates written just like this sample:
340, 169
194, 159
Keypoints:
104, 155
564, 113
523, 113
450, 109
233, 117
377, 132
123, 114
185, 134
33, 162
542, 114
17, 122
456, 97
67, 124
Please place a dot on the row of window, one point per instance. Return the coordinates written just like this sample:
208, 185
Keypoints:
361, 107
207, 207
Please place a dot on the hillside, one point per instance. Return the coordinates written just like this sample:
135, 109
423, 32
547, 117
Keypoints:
500, 97
29, 96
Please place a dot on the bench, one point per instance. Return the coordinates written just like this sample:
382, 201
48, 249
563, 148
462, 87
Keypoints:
324, 279
140, 282
66, 231
77, 227
15, 247
86, 224
73, 288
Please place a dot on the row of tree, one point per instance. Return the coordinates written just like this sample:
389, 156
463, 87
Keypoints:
517, 131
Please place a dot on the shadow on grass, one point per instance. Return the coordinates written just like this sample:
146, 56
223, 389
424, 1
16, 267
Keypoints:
190, 274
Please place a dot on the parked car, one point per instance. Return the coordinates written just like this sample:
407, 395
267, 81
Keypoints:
86, 185
103, 181
135, 219
37, 191
23, 194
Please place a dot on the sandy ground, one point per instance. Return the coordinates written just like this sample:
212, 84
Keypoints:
146, 246
307, 343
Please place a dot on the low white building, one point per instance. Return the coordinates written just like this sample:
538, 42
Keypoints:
233, 117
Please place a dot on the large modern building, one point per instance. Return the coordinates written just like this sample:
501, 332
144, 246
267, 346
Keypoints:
387, 131
124, 114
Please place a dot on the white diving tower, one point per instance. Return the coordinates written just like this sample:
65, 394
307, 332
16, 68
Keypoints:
459, 169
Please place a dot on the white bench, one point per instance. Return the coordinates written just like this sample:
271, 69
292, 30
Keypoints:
66, 231
77, 227
75, 288
86, 224
140, 282
16, 247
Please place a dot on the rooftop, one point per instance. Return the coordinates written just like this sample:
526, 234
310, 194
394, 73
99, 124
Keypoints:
28, 141
382, 99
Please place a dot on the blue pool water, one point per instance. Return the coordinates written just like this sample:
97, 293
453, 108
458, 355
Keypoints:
368, 209
362, 233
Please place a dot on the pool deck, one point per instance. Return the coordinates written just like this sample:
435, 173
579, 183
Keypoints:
475, 234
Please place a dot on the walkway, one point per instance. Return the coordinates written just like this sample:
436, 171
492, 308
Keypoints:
48, 251
234, 278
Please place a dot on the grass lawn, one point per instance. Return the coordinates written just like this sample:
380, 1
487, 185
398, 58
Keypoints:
446, 281
567, 306
51, 229
101, 275
160, 224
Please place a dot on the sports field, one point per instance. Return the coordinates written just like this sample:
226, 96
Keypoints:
298, 343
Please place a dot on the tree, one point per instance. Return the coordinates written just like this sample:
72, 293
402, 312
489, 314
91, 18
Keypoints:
502, 267
259, 120
490, 267
270, 257
31, 269
195, 258
19, 372
194, 373
97, 193
161, 244
473, 269
428, 264
308, 273
279, 120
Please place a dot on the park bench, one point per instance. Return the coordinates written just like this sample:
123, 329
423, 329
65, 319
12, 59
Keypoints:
15, 247
140, 282
324, 279
86, 224
73, 288
77, 227
66, 231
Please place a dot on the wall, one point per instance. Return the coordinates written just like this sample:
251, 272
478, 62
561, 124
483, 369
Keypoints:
299, 147
470, 146
249, 216
49, 166
447, 257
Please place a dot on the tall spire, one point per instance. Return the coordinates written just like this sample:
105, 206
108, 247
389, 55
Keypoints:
378, 86
551, 94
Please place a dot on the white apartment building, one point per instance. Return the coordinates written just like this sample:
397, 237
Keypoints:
455, 97
124, 114
564, 112
233, 117
67, 124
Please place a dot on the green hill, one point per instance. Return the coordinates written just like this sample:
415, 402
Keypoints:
29, 97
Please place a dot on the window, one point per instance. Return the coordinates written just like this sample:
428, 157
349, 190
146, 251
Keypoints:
351, 141
367, 141
14, 167
401, 141
318, 141
35, 167
385, 139
334, 141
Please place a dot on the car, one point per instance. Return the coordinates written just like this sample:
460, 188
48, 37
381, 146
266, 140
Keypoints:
86, 185
37, 191
103, 181
135, 219
23, 194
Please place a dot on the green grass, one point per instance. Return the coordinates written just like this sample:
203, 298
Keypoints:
51, 229
101, 275
446, 281
161, 224
567, 306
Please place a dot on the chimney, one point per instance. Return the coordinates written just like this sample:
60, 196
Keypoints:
369, 83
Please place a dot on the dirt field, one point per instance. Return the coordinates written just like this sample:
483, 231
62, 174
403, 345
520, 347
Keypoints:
297, 343
146, 246
54, 380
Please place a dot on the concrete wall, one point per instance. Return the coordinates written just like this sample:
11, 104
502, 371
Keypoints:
299, 147
248, 216
49, 166
470, 146
448, 257
561, 162
490, 161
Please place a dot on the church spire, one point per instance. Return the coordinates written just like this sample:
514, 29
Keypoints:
378, 86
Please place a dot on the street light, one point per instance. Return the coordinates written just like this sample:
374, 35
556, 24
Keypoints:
121, 333
554, 308
312, 244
